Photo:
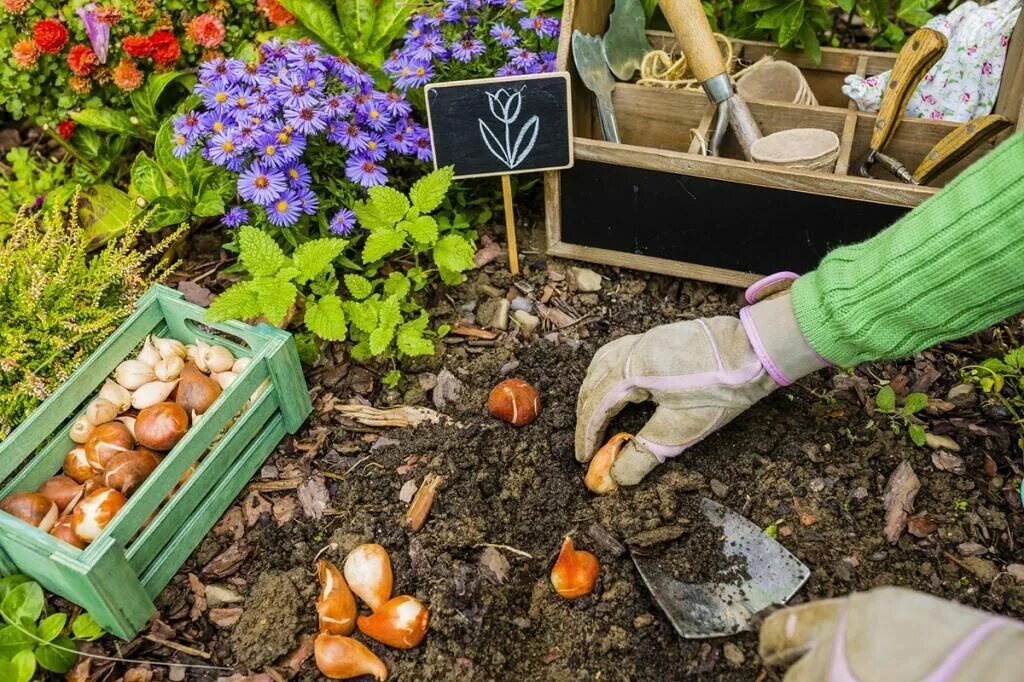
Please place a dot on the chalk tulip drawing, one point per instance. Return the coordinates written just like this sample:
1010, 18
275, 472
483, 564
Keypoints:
505, 107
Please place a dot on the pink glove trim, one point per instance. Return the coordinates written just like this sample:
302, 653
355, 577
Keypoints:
762, 353
948, 668
754, 289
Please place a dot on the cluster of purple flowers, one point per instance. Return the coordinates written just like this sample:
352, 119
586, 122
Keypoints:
259, 118
473, 38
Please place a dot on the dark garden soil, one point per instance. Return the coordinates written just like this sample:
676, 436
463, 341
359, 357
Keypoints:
811, 460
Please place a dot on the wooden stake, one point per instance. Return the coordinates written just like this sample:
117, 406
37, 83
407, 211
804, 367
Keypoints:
510, 225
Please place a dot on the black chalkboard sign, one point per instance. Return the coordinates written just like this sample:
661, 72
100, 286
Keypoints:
501, 126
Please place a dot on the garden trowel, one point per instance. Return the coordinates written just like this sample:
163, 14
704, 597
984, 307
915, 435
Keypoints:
588, 53
625, 43
765, 574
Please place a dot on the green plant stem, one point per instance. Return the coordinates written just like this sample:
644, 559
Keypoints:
70, 149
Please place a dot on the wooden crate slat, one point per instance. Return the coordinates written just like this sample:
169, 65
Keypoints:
121, 605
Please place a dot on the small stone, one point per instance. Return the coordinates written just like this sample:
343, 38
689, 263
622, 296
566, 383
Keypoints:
859, 493
488, 290
499, 319
585, 279
408, 491
944, 461
733, 654
719, 489
971, 549
817, 485
963, 396
218, 595
588, 300
647, 619
1017, 571
508, 368
521, 303
812, 451
488, 309
936, 442
983, 569
527, 322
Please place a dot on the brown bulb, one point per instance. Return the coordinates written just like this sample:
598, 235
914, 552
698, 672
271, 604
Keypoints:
63, 531
161, 426
106, 441
76, 465
92, 485
94, 512
127, 471
514, 401
32, 508
196, 391
400, 623
342, 658
63, 491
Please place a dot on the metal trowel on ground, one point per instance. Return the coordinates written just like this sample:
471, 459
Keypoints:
770, 577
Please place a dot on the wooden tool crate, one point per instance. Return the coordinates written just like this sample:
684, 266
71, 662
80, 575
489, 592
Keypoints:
117, 577
654, 203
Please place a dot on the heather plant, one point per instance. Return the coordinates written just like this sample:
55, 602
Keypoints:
60, 302
463, 39
25, 180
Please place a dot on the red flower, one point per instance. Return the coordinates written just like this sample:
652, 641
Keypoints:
66, 129
50, 35
206, 30
166, 49
82, 60
274, 11
137, 46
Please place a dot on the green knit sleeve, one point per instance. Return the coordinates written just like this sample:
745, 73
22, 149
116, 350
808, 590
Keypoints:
951, 267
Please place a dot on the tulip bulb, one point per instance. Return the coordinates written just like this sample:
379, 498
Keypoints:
63, 491
116, 394
81, 430
342, 658
224, 379
126, 471
93, 513
76, 465
132, 374
62, 530
197, 354
218, 359
32, 508
599, 474
106, 441
149, 354
240, 365
169, 348
575, 571
400, 623
169, 369
336, 606
514, 401
368, 574
196, 391
152, 393
161, 426
129, 423
101, 411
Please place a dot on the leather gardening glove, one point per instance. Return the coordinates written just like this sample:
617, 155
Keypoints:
701, 373
891, 634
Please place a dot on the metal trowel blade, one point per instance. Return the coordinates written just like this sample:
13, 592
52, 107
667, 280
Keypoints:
716, 609
625, 43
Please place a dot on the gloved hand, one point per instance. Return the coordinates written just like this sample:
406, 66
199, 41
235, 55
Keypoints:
701, 373
890, 634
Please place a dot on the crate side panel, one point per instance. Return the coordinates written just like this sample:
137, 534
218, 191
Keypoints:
289, 383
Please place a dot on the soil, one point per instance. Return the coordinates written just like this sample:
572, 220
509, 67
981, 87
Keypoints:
811, 461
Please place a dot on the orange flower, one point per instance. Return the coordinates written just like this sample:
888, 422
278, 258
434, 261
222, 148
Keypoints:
273, 10
127, 76
25, 53
82, 60
206, 30
16, 6
80, 84
144, 8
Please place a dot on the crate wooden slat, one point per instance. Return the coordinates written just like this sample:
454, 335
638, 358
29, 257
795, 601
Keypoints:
117, 577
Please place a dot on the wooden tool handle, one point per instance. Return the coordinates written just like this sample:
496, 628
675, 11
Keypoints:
958, 144
917, 57
692, 30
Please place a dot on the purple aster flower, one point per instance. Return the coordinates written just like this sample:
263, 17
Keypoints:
505, 36
98, 31
467, 49
295, 91
309, 202
398, 141
522, 57
241, 103
342, 67
457, 5
247, 134
424, 152
547, 60
250, 74
375, 117
414, 76
297, 175
272, 50
414, 33
217, 95
554, 26
221, 69
430, 45
376, 149
508, 70
343, 222
515, 5
365, 172
235, 217
394, 63
261, 185
270, 153
307, 120
291, 144
214, 122
394, 103
303, 56
182, 146
285, 210
188, 124
540, 25
353, 138
222, 148
263, 104
337, 106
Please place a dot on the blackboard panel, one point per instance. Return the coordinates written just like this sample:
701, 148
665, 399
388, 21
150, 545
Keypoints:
501, 126
710, 222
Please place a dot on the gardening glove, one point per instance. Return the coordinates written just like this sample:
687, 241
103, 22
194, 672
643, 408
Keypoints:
889, 634
701, 373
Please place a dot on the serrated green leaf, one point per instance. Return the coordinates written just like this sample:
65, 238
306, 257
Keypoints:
180, 171
453, 254
314, 257
886, 399
240, 302
319, 20
397, 284
85, 628
389, 313
57, 660
391, 379
361, 351
368, 217
914, 403
429, 191
423, 230
917, 435
410, 339
166, 211
325, 318
382, 243
259, 253
276, 297
358, 286
390, 204
362, 314
147, 180
380, 339
52, 626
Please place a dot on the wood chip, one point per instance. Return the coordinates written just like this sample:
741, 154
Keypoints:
227, 562
198, 597
225, 617
232, 523
408, 491
921, 525
474, 332
494, 565
298, 658
253, 508
276, 486
313, 496
944, 461
284, 510
900, 492
418, 511
402, 416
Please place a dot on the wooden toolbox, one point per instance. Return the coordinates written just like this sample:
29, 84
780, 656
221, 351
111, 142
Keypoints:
655, 203
117, 577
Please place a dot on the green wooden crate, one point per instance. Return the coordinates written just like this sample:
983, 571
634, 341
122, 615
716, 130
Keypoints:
117, 577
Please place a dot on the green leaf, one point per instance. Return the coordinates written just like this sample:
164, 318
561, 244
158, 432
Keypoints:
145, 99
181, 171
363, 315
259, 253
315, 257
23, 666
57, 660
1014, 359
793, 19
210, 205
391, 379
389, 313
423, 229
390, 22
325, 318
380, 339
809, 42
914, 403
166, 211
86, 628
429, 191
917, 434
410, 339
370, 218
356, 18
104, 211
361, 351
397, 284
886, 399
240, 302
847, 5
382, 243
358, 286
390, 204
315, 16
276, 296
13, 640
147, 179
52, 626
89, 142
10, 582
453, 254
107, 121
23, 604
